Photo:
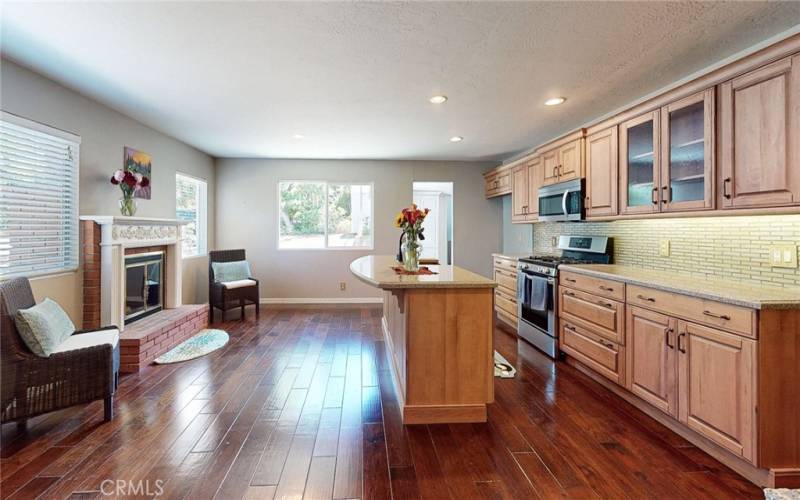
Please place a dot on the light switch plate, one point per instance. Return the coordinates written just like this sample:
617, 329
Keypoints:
663, 248
783, 256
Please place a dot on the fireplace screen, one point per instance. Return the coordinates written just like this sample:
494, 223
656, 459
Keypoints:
144, 285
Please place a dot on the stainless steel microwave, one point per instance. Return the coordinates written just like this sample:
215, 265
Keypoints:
562, 201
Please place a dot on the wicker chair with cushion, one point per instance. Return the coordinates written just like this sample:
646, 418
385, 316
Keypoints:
226, 295
82, 371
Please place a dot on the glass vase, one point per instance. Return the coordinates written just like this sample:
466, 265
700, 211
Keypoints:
127, 206
410, 254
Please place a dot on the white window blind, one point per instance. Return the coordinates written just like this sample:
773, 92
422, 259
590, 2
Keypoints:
38, 198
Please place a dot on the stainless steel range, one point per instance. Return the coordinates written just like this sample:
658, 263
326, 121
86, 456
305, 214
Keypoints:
537, 287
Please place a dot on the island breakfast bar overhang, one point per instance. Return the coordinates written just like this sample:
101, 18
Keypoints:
438, 338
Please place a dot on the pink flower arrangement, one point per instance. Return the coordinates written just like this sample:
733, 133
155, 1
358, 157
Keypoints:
129, 182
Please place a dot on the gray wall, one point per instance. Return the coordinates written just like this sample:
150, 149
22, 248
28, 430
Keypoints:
104, 133
246, 217
517, 238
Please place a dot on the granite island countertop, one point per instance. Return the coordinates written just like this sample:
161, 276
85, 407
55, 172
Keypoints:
511, 256
376, 270
752, 295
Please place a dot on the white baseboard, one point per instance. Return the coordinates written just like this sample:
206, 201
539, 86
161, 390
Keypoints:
325, 300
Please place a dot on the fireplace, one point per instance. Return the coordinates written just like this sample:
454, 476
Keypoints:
144, 285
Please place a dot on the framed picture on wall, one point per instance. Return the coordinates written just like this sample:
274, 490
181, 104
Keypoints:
140, 163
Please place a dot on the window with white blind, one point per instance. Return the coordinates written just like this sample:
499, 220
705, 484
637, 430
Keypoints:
38, 198
191, 206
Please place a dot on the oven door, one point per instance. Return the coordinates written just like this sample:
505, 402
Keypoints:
561, 202
536, 299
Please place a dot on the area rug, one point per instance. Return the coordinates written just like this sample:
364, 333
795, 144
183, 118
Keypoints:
205, 342
502, 368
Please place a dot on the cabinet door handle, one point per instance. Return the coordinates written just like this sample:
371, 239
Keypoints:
725, 192
606, 288
555, 171
680, 344
648, 299
667, 332
605, 304
719, 316
655, 196
667, 194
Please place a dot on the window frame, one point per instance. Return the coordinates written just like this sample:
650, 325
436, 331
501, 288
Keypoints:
202, 216
325, 248
76, 142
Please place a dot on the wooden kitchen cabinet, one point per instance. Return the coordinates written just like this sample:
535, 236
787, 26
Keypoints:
717, 372
601, 173
505, 303
639, 164
652, 361
563, 160
526, 181
549, 167
497, 182
760, 137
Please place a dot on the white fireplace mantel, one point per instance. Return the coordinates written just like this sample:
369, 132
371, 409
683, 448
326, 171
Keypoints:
118, 233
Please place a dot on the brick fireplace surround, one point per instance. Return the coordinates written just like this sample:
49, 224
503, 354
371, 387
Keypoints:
106, 242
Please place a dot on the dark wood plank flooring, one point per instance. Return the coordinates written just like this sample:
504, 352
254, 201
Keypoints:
300, 405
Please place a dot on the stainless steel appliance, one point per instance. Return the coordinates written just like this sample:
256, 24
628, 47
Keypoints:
562, 201
537, 287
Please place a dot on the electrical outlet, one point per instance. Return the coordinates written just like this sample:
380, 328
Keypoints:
342, 286
663, 248
783, 256
554, 241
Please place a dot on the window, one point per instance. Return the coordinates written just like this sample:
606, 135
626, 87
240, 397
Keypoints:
38, 198
191, 205
324, 215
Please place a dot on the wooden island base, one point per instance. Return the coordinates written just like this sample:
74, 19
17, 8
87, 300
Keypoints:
439, 347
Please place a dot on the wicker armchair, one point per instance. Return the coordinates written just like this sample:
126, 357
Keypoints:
32, 385
224, 298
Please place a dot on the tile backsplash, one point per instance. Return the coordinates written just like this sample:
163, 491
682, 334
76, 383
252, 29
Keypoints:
729, 247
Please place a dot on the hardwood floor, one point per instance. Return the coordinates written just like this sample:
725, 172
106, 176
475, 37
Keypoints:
300, 405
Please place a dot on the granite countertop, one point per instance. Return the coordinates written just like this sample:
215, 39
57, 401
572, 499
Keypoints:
752, 295
512, 256
376, 270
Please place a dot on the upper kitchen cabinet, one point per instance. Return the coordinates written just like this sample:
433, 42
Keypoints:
562, 160
639, 164
601, 173
527, 178
760, 137
497, 182
687, 153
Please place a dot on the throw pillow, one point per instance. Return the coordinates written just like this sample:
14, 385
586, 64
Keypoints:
43, 327
231, 271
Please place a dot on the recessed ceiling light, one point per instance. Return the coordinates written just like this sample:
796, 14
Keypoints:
456, 138
555, 101
298, 136
438, 99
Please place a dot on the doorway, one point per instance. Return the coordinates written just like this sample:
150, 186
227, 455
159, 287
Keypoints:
438, 242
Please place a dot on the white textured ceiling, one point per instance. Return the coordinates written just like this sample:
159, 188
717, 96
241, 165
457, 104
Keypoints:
239, 79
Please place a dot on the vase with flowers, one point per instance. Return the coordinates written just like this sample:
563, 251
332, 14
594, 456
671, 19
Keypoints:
410, 221
128, 182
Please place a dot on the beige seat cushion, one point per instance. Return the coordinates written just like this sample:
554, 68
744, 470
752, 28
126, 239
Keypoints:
89, 339
237, 284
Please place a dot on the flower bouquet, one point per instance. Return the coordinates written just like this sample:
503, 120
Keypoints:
410, 221
128, 182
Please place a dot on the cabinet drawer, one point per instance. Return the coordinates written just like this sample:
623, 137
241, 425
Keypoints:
729, 317
593, 350
604, 316
505, 302
606, 288
507, 280
509, 265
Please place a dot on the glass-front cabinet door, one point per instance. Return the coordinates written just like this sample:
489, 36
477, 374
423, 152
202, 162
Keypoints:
639, 164
687, 153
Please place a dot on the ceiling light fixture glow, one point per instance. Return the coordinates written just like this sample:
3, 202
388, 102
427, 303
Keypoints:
438, 99
298, 136
456, 138
555, 101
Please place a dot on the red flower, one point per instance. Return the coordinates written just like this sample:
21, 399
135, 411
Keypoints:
114, 180
130, 180
145, 182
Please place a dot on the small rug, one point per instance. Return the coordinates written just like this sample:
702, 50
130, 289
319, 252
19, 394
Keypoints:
502, 368
782, 494
422, 270
205, 342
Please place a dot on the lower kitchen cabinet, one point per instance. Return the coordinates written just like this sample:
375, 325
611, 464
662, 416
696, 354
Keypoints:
652, 360
603, 356
716, 373
505, 295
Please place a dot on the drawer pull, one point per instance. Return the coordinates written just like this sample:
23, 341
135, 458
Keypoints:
567, 292
609, 345
648, 299
606, 288
570, 280
605, 304
719, 316
570, 327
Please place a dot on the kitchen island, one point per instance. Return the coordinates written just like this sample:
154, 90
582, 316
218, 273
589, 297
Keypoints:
438, 338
